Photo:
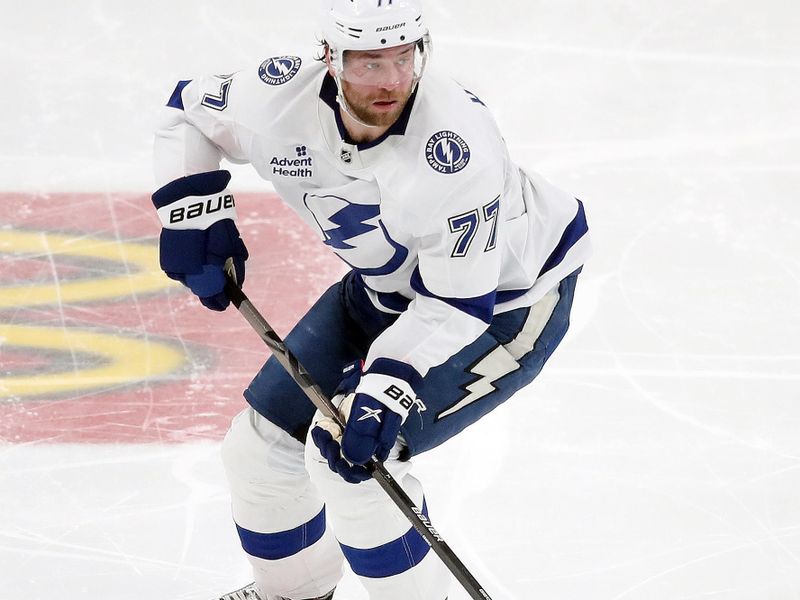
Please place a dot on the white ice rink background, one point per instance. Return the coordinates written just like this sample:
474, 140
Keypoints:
657, 457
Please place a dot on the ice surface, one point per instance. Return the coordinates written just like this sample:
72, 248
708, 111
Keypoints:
656, 458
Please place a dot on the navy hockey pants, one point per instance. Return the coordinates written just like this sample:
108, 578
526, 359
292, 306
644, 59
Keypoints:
342, 324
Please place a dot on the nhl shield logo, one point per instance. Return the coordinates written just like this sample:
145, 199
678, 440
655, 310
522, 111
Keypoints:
447, 152
279, 69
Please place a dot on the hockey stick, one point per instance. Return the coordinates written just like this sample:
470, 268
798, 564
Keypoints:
289, 362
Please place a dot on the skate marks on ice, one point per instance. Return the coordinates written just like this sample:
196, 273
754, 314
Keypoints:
97, 344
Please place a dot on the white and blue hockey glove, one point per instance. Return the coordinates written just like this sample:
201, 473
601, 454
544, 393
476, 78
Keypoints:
373, 406
199, 235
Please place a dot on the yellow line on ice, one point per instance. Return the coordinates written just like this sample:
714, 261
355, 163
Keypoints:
127, 360
141, 259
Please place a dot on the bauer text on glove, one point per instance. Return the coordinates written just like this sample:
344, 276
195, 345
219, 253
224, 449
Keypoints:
199, 235
373, 414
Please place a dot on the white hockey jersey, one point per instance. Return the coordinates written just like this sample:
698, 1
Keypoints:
440, 224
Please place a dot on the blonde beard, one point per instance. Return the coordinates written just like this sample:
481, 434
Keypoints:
365, 115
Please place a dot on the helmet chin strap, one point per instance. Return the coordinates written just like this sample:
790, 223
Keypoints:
345, 106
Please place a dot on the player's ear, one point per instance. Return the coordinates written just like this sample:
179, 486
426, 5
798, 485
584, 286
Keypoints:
328, 60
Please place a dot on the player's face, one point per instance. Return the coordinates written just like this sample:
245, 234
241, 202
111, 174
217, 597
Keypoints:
377, 83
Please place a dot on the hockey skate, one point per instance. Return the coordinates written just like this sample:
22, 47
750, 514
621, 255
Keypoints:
250, 592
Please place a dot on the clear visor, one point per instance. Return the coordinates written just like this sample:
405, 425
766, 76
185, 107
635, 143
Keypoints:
385, 67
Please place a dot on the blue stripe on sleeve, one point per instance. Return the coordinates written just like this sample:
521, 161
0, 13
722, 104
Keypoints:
393, 301
480, 307
398, 369
274, 546
199, 184
175, 101
509, 295
573, 232
389, 559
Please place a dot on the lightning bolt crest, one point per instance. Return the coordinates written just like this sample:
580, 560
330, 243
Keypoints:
447, 151
351, 221
280, 66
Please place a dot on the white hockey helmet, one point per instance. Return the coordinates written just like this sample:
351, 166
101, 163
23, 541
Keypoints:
374, 25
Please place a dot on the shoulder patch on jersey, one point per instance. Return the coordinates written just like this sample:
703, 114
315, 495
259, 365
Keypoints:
279, 69
447, 152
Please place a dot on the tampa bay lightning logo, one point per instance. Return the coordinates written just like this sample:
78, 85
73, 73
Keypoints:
357, 234
279, 69
447, 152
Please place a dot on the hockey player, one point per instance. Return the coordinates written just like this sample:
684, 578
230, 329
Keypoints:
463, 268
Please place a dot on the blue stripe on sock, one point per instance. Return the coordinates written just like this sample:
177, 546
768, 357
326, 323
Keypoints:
389, 559
274, 546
